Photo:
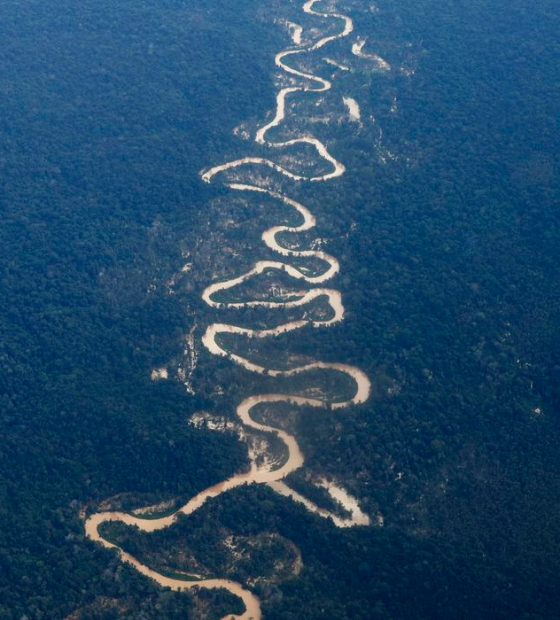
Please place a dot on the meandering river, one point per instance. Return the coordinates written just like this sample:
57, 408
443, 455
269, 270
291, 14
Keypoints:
271, 473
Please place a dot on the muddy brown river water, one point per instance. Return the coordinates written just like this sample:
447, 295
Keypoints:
271, 474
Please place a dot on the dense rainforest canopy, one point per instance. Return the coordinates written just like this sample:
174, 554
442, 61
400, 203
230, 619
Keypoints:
447, 227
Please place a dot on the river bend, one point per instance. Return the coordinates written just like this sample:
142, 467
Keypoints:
272, 474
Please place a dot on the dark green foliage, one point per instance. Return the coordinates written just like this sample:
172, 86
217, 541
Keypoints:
108, 111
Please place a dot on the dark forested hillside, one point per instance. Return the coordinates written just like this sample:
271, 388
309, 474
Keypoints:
447, 228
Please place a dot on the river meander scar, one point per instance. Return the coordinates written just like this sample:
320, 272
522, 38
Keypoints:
271, 474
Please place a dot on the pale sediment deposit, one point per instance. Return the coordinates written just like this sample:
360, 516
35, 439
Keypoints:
358, 50
336, 64
353, 108
296, 31
158, 374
